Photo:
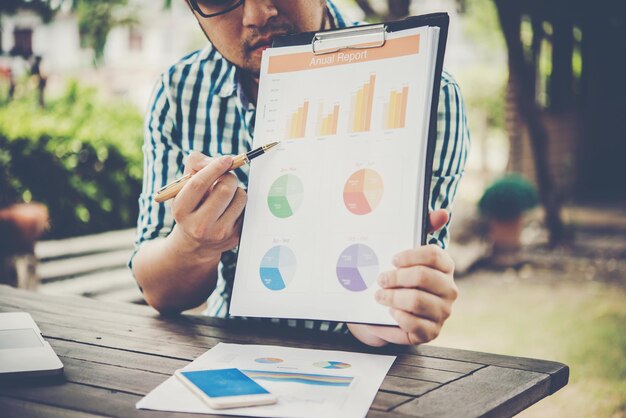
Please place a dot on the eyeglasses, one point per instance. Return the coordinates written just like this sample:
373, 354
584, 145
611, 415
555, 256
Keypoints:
212, 8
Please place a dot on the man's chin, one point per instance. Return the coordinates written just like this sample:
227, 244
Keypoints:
252, 67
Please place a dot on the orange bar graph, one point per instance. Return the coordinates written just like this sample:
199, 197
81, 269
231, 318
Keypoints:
361, 111
327, 123
394, 112
393, 102
335, 119
370, 101
296, 125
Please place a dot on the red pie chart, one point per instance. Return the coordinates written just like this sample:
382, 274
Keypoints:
363, 191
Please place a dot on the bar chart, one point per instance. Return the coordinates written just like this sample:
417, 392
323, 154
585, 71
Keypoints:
296, 124
327, 122
394, 111
361, 106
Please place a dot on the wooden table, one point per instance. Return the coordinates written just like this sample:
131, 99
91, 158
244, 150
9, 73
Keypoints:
116, 353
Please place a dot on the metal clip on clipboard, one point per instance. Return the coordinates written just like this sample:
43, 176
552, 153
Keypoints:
365, 37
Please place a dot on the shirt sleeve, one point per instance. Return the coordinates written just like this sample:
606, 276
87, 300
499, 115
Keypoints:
451, 150
162, 163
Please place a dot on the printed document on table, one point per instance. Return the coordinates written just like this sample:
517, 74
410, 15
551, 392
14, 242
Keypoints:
307, 383
344, 191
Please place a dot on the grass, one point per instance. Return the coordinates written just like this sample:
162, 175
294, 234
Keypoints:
579, 323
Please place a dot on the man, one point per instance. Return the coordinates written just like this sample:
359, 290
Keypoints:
204, 107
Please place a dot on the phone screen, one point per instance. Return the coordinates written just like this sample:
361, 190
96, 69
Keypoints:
224, 382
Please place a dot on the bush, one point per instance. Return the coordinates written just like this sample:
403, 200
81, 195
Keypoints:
79, 156
508, 198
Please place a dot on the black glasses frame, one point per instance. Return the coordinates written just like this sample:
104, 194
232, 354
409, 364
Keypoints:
198, 9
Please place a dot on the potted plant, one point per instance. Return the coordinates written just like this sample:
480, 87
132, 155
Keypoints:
503, 205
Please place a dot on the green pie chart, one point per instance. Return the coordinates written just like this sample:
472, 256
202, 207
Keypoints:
285, 196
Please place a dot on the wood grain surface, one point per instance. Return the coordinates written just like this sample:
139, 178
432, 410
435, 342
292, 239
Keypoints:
116, 353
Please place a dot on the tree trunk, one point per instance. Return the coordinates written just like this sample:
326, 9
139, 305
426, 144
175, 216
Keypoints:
367, 8
399, 8
522, 76
562, 74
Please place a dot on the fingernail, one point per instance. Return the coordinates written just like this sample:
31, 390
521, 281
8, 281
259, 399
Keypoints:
383, 281
380, 295
226, 160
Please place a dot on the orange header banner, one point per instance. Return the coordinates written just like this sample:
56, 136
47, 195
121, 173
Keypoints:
408, 45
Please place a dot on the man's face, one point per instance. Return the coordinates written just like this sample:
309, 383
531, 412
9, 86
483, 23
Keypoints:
243, 34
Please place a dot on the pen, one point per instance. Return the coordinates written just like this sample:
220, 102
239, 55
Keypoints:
171, 190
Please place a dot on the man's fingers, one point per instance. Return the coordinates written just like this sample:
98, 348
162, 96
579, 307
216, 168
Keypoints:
417, 302
199, 184
393, 335
428, 255
233, 212
217, 200
437, 220
196, 162
419, 277
418, 330
411, 331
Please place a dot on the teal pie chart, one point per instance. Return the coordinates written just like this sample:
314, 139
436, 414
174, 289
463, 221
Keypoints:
278, 268
332, 365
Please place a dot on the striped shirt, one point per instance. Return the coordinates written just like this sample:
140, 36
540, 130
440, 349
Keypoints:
199, 105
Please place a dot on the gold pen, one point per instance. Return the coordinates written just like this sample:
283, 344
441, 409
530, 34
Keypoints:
171, 190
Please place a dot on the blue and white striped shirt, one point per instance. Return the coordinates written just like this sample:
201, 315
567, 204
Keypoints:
199, 105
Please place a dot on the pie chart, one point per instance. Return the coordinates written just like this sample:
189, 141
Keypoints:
332, 365
363, 191
269, 360
278, 268
357, 267
285, 196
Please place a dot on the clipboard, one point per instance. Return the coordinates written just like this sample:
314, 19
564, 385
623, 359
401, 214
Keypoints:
376, 36
318, 231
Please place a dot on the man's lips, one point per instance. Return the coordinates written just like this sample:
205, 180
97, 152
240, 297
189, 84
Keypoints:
265, 42
261, 46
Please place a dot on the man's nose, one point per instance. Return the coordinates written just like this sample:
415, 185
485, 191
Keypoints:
257, 13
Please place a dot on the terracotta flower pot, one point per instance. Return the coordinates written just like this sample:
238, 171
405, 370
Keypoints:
505, 235
30, 220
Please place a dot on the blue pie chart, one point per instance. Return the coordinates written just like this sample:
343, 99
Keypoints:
278, 268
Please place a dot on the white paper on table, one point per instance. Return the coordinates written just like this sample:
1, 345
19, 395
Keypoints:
296, 400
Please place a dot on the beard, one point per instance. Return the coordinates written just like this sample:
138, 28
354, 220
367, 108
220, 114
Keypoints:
274, 28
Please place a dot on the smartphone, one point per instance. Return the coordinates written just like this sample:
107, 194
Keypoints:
225, 388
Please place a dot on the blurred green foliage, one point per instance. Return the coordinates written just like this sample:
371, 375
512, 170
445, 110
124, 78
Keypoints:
508, 198
97, 18
482, 25
79, 156
484, 83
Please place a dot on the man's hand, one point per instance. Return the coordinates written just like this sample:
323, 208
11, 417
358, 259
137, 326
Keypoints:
419, 294
208, 209
180, 271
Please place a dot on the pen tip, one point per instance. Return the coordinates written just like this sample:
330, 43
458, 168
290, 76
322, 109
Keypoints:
272, 144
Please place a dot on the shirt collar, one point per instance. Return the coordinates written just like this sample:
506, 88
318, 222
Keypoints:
226, 84
339, 20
